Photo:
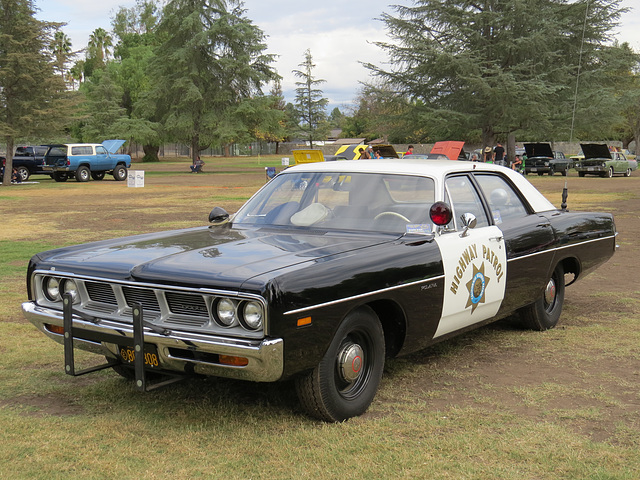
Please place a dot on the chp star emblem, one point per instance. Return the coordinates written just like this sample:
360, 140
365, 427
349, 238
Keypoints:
477, 287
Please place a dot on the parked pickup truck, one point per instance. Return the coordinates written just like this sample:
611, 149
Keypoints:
86, 160
29, 160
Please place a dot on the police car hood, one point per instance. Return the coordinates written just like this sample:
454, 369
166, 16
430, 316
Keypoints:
214, 257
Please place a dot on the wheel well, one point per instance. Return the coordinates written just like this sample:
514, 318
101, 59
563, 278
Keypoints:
393, 322
571, 265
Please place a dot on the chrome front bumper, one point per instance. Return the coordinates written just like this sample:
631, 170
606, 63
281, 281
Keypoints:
178, 351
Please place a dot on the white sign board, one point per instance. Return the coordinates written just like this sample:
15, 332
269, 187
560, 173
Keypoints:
135, 178
285, 161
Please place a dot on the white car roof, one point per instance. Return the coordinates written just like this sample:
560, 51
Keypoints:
436, 169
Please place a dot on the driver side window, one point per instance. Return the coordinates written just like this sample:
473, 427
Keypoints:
464, 198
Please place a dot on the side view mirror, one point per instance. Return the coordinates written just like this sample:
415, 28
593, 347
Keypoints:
468, 221
218, 216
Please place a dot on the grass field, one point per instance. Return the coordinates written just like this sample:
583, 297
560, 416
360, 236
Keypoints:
495, 403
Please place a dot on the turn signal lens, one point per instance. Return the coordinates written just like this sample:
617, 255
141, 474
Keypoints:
233, 361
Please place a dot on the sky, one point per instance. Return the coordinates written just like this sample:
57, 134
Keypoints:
340, 35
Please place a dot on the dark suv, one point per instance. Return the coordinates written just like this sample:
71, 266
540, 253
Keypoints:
542, 159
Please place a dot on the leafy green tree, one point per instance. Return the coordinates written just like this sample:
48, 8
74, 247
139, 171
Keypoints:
105, 117
336, 118
491, 69
136, 31
210, 62
309, 102
32, 96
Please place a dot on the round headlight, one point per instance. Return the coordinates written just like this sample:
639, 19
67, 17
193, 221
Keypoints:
252, 315
69, 286
52, 289
226, 312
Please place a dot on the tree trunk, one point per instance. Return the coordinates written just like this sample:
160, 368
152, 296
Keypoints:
150, 153
488, 136
511, 148
8, 169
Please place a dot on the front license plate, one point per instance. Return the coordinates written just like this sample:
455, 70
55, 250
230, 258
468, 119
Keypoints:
128, 355
591, 169
534, 169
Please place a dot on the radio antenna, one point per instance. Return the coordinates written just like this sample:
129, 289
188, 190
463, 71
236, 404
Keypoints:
575, 96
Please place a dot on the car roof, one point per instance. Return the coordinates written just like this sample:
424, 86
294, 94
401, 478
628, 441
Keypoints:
437, 169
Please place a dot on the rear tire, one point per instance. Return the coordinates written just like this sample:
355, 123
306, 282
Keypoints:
627, 173
346, 380
545, 312
24, 173
60, 177
83, 174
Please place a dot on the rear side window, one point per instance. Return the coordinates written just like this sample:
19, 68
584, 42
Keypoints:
503, 201
82, 150
59, 151
24, 151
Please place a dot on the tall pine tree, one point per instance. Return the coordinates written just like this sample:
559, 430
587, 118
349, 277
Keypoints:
310, 104
32, 96
211, 62
500, 67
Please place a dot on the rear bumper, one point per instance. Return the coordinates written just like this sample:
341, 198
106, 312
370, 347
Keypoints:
178, 351
53, 169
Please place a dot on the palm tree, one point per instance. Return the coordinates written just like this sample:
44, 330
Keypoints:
61, 48
99, 43
76, 73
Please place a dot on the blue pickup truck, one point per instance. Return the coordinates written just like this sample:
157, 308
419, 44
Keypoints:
84, 161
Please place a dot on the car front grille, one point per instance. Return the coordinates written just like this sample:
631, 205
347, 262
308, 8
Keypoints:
167, 307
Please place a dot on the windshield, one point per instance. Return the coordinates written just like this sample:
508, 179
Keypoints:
352, 201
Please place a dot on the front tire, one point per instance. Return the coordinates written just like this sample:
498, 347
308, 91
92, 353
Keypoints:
545, 312
83, 174
610, 172
551, 171
120, 173
24, 173
346, 380
581, 174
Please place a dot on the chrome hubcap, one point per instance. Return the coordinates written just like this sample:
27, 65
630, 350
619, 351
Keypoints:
350, 362
550, 292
